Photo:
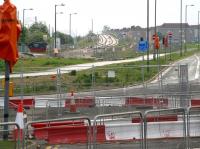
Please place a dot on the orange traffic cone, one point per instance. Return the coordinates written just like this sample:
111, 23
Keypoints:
20, 121
72, 103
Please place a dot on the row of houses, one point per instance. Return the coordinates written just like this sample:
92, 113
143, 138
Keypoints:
188, 31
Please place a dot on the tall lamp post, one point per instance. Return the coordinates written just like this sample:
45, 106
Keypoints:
147, 35
198, 30
154, 53
55, 24
181, 27
186, 6
70, 22
23, 30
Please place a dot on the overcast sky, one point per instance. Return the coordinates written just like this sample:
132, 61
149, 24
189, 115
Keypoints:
113, 13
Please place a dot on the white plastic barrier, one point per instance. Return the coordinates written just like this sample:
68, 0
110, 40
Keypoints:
123, 131
195, 128
164, 130
156, 130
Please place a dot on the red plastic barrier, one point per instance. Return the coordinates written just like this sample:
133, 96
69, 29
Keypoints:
41, 129
154, 102
195, 102
82, 102
40, 133
27, 103
157, 119
18, 134
136, 101
73, 134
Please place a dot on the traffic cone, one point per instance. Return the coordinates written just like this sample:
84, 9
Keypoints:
72, 103
20, 121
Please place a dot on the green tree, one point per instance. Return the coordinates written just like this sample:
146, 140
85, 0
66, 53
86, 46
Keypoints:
39, 27
36, 32
64, 38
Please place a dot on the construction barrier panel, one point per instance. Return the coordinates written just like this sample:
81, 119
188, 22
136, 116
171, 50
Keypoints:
40, 131
148, 102
121, 132
195, 102
27, 103
81, 102
73, 134
161, 118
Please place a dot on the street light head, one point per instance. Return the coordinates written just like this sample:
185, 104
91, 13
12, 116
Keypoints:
28, 9
62, 4
73, 13
59, 13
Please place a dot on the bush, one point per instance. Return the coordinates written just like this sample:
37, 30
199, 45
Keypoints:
73, 73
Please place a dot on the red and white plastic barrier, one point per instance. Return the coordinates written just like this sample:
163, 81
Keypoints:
195, 102
147, 102
165, 127
41, 129
81, 102
161, 118
27, 103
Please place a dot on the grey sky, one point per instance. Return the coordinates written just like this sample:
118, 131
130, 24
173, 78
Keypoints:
113, 13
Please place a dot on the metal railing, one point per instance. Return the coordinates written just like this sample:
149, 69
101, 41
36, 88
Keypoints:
18, 131
99, 117
26, 129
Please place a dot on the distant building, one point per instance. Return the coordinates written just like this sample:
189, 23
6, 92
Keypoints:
136, 32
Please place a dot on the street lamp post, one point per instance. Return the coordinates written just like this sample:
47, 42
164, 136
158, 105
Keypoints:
198, 30
181, 27
55, 24
147, 35
23, 30
70, 23
186, 6
154, 53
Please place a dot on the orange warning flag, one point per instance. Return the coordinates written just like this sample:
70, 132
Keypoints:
156, 42
9, 33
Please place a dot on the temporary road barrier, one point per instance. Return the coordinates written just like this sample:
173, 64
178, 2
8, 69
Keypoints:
152, 102
191, 125
27, 103
195, 102
161, 118
87, 121
110, 133
41, 129
154, 127
81, 102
